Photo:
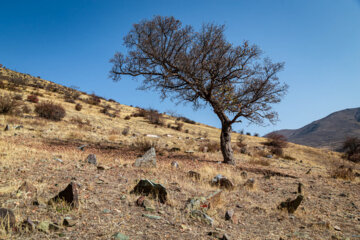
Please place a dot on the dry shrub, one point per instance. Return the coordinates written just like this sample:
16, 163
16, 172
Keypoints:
125, 131
278, 151
276, 140
50, 110
210, 147
343, 172
80, 122
240, 141
351, 148
179, 126
26, 109
93, 100
78, 107
127, 117
143, 144
8, 104
186, 120
260, 161
287, 157
33, 99
152, 115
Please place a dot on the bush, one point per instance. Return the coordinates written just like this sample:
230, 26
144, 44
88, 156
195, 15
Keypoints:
276, 140
343, 173
18, 97
50, 110
93, 100
78, 107
143, 144
8, 104
152, 115
125, 131
127, 117
351, 148
278, 151
186, 120
179, 126
33, 99
26, 109
240, 141
210, 146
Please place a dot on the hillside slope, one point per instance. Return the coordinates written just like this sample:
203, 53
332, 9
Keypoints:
39, 158
329, 132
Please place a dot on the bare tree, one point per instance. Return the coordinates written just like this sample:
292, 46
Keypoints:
202, 68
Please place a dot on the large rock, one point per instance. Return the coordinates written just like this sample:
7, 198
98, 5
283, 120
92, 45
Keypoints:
148, 188
291, 205
222, 182
147, 160
69, 195
7, 218
91, 159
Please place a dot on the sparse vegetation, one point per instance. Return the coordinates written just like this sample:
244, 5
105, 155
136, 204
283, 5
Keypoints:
8, 104
143, 144
351, 148
50, 111
78, 107
33, 99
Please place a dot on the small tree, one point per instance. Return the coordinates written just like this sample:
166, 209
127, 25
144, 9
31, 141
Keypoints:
202, 68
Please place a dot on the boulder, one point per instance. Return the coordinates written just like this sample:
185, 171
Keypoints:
147, 160
202, 216
7, 218
222, 182
91, 158
148, 188
291, 205
69, 195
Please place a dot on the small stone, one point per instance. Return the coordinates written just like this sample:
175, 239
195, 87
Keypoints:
337, 228
68, 222
300, 185
6, 127
69, 195
269, 156
58, 159
106, 211
229, 214
82, 147
147, 160
249, 183
7, 218
215, 235
152, 216
120, 236
193, 174
243, 174
148, 206
91, 158
175, 164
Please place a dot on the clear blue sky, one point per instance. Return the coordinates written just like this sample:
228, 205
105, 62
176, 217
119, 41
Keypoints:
71, 42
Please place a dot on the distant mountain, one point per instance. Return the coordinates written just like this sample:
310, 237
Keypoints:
328, 132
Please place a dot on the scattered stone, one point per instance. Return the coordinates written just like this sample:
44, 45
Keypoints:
7, 218
47, 227
337, 228
120, 236
152, 216
58, 159
106, 211
205, 149
82, 147
148, 188
174, 149
249, 183
147, 160
69, 195
193, 174
152, 136
308, 171
102, 167
243, 174
6, 127
69, 222
229, 214
175, 164
202, 216
269, 156
222, 182
19, 127
91, 158
291, 205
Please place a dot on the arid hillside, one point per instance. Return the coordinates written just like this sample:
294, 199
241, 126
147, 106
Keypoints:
55, 138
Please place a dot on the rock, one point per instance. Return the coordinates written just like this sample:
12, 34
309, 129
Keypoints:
291, 205
337, 228
215, 235
175, 164
91, 158
249, 183
6, 128
269, 156
82, 147
243, 174
174, 149
202, 216
120, 236
58, 159
102, 167
205, 149
140, 201
190, 152
152, 216
69, 222
244, 150
147, 160
7, 218
19, 127
148, 188
222, 182
46, 227
308, 171
229, 214
27, 188
148, 206
300, 185
225, 237
193, 174
152, 136
106, 211
69, 195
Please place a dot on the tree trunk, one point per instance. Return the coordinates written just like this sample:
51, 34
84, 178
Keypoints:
225, 144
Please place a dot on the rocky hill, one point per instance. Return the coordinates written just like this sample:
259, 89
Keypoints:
89, 175
329, 132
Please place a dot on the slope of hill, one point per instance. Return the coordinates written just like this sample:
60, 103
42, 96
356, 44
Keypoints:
46, 156
329, 132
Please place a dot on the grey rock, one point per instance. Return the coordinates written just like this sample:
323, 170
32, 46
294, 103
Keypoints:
82, 147
229, 214
120, 236
6, 128
148, 188
58, 159
152, 216
69, 195
269, 156
202, 216
147, 160
91, 159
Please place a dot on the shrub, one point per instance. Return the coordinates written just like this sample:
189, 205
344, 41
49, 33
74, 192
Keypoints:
127, 117
50, 110
78, 107
8, 104
351, 148
125, 131
18, 97
26, 109
152, 115
179, 126
261, 161
93, 100
33, 99
276, 140
278, 151
210, 146
186, 120
343, 173
143, 144
240, 141
248, 133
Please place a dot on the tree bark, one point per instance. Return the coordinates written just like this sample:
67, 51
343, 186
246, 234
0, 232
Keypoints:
225, 144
